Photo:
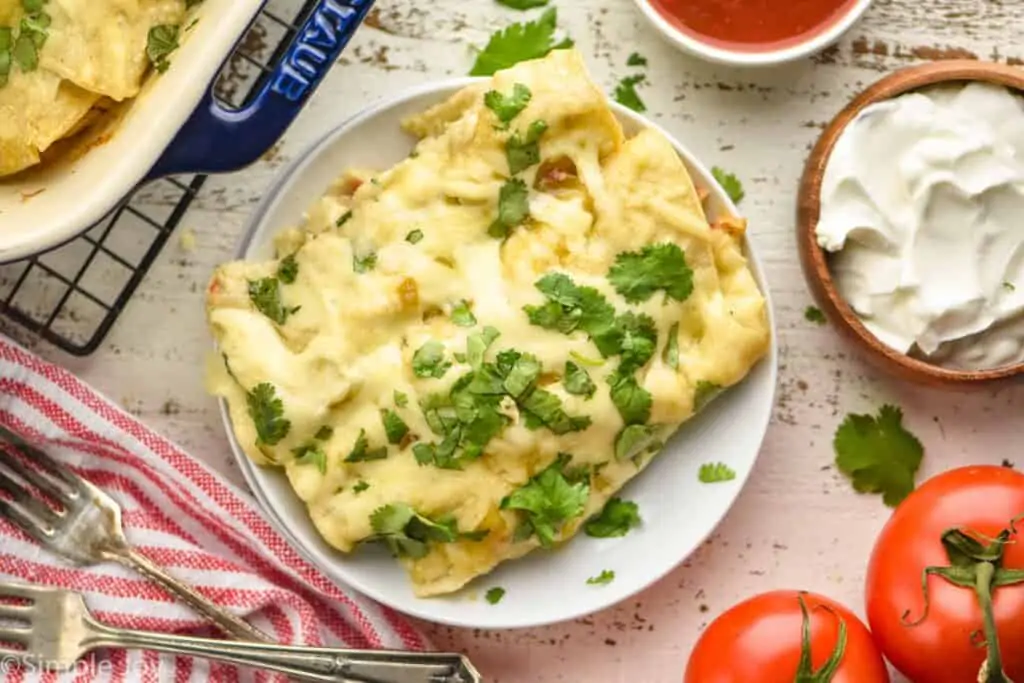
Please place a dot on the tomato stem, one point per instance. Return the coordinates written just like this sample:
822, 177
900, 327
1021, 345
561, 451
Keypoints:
805, 672
993, 670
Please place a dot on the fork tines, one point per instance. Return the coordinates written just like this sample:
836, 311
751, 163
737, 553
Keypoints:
25, 473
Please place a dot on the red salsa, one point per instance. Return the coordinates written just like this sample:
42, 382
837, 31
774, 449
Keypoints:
753, 25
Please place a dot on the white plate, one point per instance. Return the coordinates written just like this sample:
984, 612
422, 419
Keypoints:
545, 587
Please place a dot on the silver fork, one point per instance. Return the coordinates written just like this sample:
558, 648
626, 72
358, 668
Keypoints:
56, 630
86, 528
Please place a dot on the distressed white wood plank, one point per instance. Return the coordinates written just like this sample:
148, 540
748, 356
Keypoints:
797, 524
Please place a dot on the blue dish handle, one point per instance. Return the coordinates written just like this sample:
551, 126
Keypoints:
216, 139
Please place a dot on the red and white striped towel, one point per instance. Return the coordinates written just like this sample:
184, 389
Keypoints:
185, 518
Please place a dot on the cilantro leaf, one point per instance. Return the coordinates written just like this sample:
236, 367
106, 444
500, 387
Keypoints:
513, 208
324, 433
401, 398
311, 455
548, 501
522, 376
414, 236
636, 337
160, 43
517, 43
288, 269
730, 183
361, 451
638, 275
267, 413
507, 107
462, 315
813, 314
616, 519
632, 401
878, 454
477, 345
523, 4
408, 533
626, 94
360, 487
542, 408
524, 152
494, 595
704, 393
713, 473
605, 577
577, 382
265, 295
634, 440
670, 356
571, 307
429, 361
394, 426
343, 219
364, 263
636, 59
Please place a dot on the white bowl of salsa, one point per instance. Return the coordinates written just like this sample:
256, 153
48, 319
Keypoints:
753, 32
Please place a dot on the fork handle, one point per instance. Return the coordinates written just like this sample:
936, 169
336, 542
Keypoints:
226, 621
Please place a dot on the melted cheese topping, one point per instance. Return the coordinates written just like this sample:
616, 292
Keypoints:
338, 360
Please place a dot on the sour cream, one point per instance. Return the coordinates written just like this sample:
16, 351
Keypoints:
923, 204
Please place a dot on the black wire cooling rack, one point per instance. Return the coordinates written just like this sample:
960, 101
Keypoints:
72, 295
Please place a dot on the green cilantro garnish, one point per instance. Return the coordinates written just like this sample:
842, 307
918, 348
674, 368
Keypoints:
523, 152
462, 315
364, 263
324, 433
360, 486
394, 426
878, 454
730, 183
507, 107
513, 208
519, 43
32, 35
548, 501
477, 345
638, 275
265, 295
636, 59
312, 454
523, 4
401, 399
361, 451
713, 473
616, 519
288, 269
6, 43
541, 408
414, 236
494, 595
267, 413
429, 360
670, 356
571, 307
632, 401
577, 382
162, 41
408, 533
634, 337
602, 579
635, 440
343, 219
703, 393
813, 314
626, 94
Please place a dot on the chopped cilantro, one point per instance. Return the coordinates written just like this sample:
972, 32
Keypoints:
265, 295
524, 151
343, 219
713, 473
616, 519
414, 236
523, 4
542, 408
634, 337
813, 314
730, 183
324, 433
360, 486
394, 426
632, 401
267, 413
401, 399
364, 263
6, 43
477, 345
361, 451
626, 94
577, 382
311, 455
507, 107
602, 579
518, 43
670, 356
161, 42
513, 208
636, 59
462, 315
288, 269
548, 501
637, 275
429, 361
635, 440
408, 533
494, 595
703, 393
571, 307
878, 454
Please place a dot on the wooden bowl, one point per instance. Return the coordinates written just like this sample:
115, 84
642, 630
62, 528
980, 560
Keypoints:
815, 260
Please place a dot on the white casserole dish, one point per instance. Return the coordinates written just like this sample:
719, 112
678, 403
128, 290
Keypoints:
174, 126
679, 512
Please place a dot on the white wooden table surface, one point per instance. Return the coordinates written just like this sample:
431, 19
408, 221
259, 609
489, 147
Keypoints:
797, 524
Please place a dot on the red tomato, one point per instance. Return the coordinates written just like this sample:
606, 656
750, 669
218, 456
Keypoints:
944, 646
761, 640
